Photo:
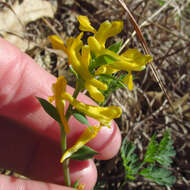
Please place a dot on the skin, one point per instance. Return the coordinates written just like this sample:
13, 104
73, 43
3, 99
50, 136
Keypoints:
29, 138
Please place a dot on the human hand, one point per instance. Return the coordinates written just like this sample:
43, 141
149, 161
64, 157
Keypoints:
29, 138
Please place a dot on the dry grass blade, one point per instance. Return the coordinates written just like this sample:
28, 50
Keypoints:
146, 22
147, 51
9, 7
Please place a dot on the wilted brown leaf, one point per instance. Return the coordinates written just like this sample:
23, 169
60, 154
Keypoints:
13, 20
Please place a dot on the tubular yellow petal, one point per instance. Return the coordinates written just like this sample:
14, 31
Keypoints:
69, 42
85, 24
128, 80
60, 108
135, 59
105, 69
57, 43
107, 30
103, 114
85, 58
95, 46
100, 85
94, 92
74, 47
59, 89
77, 42
86, 136
131, 60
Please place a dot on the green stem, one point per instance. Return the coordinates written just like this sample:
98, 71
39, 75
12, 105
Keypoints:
66, 162
64, 139
75, 94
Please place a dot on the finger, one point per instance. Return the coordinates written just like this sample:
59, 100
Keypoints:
12, 183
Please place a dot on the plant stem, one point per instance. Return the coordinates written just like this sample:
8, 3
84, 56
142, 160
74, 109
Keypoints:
75, 94
66, 162
64, 139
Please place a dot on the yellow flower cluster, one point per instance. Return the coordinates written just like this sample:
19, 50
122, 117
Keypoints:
103, 114
131, 60
79, 57
80, 63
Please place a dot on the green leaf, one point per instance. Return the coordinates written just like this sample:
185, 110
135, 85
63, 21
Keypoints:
151, 150
161, 176
84, 153
80, 117
49, 109
116, 46
161, 153
166, 150
76, 183
157, 159
113, 83
130, 160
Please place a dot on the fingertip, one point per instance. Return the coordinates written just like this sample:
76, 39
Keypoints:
107, 143
87, 176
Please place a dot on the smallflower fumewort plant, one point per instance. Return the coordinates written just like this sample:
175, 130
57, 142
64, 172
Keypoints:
95, 67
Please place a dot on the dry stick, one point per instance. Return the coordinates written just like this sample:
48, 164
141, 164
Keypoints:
173, 53
147, 51
176, 34
145, 22
52, 27
9, 7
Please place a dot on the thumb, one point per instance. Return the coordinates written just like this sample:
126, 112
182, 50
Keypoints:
12, 183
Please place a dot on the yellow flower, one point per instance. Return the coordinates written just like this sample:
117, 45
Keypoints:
88, 134
80, 63
106, 30
132, 60
85, 24
58, 88
102, 114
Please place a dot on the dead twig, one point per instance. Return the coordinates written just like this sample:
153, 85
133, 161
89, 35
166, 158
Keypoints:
147, 51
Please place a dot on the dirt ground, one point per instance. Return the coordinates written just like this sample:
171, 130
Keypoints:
165, 26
